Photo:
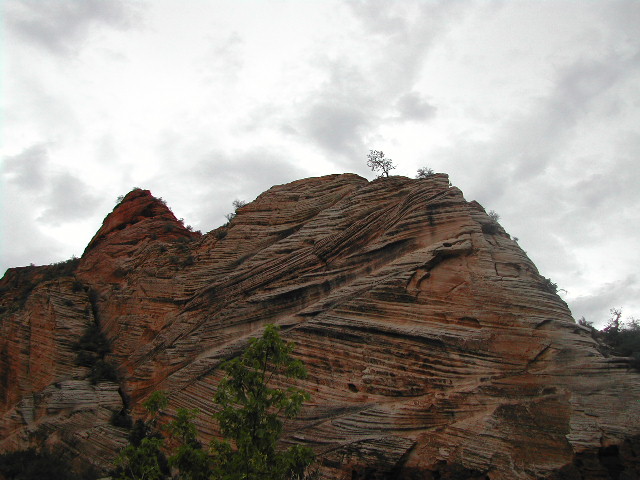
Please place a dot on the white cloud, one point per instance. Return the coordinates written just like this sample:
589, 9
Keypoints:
338, 127
41, 201
27, 169
411, 106
596, 305
531, 107
61, 26
68, 199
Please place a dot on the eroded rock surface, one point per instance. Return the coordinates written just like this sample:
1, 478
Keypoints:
435, 349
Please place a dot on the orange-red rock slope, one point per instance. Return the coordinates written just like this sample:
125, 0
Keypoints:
435, 349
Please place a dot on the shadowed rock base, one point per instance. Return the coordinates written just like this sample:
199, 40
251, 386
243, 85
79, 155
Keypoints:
607, 463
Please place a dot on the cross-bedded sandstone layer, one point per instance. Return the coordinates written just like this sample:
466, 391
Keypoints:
435, 349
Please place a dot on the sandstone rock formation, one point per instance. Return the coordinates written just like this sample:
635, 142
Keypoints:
435, 348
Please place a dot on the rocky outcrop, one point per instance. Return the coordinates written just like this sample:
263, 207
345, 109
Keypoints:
435, 349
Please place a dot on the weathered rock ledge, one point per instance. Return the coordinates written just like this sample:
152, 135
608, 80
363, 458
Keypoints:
435, 348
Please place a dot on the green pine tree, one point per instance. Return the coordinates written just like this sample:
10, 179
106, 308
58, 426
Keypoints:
252, 411
143, 458
189, 458
251, 423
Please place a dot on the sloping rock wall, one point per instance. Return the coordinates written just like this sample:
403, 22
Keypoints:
435, 349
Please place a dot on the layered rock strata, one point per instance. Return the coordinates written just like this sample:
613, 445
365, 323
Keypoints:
435, 349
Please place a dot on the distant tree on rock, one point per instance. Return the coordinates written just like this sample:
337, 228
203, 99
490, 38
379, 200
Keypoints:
623, 337
236, 205
377, 162
619, 338
425, 172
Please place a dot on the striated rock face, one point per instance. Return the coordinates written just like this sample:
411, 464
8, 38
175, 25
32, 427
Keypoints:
434, 347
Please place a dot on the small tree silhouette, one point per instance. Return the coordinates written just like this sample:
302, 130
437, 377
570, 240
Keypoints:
376, 161
236, 205
425, 172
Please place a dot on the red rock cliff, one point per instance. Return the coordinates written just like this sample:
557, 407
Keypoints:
435, 348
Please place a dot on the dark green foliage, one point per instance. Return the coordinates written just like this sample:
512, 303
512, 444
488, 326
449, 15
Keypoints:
189, 458
121, 272
61, 269
85, 358
94, 298
618, 338
182, 261
122, 419
193, 463
145, 455
77, 286
32, 465
549, 286
139, 431
146, 461
23, 280
91, 350
583, 321
143, 458
622, 339
490, 228
252, 411
183, 429
627, 342
157, 401
183, 245
220, 233
94, 341
103, 371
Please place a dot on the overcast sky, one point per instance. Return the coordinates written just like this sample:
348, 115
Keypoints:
531, 107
